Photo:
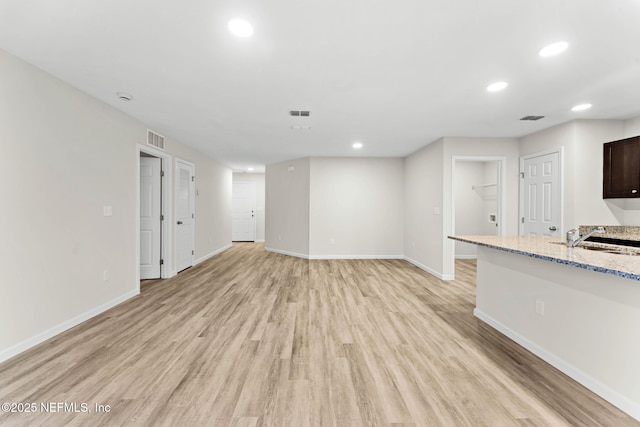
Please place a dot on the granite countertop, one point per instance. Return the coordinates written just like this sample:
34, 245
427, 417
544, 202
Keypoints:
556, 250
620, 232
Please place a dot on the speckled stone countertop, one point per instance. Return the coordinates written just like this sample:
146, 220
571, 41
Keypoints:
556, 250
621, 232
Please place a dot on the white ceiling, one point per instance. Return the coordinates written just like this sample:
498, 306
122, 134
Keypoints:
395, 75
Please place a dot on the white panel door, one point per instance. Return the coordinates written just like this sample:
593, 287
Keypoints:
541, 204
243, 224
150, 214
185, 215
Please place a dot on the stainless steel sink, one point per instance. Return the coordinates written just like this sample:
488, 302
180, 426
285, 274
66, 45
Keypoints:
610, 250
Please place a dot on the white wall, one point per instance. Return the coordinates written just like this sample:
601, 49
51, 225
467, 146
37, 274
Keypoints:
259, 179
65, 155
588, 325
632, 127
490, 205
356, 208
213, 201
480, 147
582, 142
473, 206
423, 190
287, 207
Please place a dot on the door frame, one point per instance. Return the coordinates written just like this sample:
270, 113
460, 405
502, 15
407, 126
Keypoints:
500, 196
560, 151
166, 240
192, 189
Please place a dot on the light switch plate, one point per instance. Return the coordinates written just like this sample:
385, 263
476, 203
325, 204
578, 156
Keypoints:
107, 210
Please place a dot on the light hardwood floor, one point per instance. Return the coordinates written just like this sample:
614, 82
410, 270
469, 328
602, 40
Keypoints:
256, 338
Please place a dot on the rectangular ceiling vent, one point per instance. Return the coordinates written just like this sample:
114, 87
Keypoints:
299, 113
155, 139
532, 118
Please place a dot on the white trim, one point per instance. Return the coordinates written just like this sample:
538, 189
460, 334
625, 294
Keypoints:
212, 254
259, 241
524, 157
466, 257
356, 256
167, 242
429, 270
622, 402
295, 254
58, 329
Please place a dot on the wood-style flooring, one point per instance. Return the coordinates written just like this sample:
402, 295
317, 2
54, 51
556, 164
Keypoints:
252, 338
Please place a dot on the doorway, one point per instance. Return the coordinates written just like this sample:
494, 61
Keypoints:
243, 224
153, 239
541, 194
185, 214
478, 205
150, 216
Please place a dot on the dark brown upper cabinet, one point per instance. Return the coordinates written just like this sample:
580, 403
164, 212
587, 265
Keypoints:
621, 169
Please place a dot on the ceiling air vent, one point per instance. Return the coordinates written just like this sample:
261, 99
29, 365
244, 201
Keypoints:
532, 118
155, 139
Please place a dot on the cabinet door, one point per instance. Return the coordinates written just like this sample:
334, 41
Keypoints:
621, 169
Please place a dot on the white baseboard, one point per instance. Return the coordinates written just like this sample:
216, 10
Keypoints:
429, 270
622, 402
49, 333
466, 256
295, 254
298, 255
259, 240
212, 254
356, 257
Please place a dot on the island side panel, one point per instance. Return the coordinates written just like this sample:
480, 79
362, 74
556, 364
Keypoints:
589, 328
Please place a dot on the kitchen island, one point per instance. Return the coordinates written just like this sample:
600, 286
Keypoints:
577, 309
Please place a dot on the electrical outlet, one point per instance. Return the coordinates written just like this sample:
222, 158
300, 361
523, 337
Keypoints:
540, 307
436, 211
332, 241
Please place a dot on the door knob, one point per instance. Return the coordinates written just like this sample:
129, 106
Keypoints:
179, 222
553, 228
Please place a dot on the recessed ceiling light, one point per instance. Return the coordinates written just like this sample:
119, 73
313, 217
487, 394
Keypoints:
497, 86
553, 49
240, 27
250, 169
581, 107
357, 145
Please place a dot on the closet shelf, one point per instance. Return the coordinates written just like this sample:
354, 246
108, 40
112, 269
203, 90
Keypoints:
486, 191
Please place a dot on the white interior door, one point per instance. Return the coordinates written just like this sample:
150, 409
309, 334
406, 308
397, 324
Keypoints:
541, 210
185, 214
150, 217
244, 212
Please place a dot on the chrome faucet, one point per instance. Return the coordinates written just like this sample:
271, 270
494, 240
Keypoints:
576, 242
